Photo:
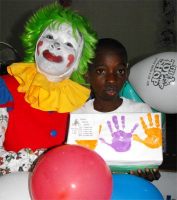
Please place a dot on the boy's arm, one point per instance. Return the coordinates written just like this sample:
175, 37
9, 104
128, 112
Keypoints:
148, 174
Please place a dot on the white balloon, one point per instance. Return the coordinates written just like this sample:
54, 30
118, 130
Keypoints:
14, 186
155, 81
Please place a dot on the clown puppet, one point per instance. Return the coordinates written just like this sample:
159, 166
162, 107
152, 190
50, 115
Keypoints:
38, 94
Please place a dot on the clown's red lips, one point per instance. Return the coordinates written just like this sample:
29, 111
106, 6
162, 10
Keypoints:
51, 57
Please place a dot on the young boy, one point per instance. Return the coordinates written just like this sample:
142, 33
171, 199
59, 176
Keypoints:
107, 74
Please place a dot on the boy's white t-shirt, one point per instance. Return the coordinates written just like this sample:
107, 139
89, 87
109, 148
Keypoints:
128, 106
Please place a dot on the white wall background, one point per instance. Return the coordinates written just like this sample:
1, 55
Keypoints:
167, 184
136, 23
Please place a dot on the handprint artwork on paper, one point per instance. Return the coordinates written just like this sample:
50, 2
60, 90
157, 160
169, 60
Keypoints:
153, 132
91, 144
121, 140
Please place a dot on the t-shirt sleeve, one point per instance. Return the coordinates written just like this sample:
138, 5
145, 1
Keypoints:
133, 106
146, 108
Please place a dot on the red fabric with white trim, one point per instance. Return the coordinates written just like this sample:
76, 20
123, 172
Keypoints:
32, 128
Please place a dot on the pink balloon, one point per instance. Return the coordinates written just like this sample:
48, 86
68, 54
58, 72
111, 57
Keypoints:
71, 172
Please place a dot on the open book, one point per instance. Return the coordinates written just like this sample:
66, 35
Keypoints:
124, 140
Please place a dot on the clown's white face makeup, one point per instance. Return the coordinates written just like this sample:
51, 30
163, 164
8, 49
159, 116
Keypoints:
58, 52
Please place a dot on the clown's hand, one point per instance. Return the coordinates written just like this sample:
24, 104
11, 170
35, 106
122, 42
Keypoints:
4, 116
23, 160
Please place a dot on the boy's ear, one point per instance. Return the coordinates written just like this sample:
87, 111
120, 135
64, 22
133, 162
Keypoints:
86, 76
127, 73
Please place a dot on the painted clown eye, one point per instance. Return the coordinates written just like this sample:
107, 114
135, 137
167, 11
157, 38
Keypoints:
50, 37
69, 44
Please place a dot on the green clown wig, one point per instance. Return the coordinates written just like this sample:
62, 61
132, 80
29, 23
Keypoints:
56, 14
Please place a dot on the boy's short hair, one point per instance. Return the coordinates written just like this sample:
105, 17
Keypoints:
112, 45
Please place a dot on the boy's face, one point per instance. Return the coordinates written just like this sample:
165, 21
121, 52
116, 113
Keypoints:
107, 75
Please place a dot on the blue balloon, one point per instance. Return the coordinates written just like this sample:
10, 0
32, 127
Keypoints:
129, 92
126, 186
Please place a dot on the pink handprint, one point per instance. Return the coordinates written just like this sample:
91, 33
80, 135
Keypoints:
121, 140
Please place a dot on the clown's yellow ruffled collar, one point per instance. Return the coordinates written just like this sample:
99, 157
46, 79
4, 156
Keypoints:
64, 96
